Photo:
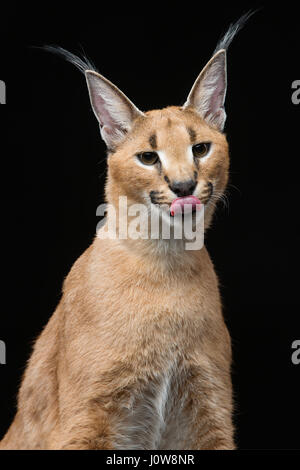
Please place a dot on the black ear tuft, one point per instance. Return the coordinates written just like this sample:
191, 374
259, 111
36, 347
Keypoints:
233, 29
82, 63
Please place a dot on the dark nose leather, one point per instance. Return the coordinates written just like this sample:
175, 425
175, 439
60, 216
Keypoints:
183, 188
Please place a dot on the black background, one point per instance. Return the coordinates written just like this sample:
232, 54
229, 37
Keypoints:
53, 171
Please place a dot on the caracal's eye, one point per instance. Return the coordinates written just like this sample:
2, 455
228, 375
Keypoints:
200, 150
148, 158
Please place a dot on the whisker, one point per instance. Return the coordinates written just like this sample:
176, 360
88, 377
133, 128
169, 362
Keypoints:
220, 196
235, 187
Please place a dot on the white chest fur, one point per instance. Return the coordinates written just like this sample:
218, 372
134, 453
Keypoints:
155, 416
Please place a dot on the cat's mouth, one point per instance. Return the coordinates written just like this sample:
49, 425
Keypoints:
180, 205
185, 205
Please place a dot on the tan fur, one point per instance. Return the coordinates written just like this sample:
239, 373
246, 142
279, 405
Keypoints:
136, 355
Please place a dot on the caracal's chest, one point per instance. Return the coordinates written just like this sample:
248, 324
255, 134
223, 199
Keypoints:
157, 325
156, 415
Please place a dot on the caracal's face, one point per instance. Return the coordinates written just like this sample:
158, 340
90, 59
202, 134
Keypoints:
169, 153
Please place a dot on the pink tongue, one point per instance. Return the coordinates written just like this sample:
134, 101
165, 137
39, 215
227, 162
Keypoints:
185, 205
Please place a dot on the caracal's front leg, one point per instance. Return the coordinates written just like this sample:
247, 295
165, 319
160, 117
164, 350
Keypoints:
211, 398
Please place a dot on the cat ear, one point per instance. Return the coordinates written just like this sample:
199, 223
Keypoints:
208, 93
114, 111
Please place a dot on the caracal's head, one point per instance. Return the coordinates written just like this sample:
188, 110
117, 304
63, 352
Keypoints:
157, 156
